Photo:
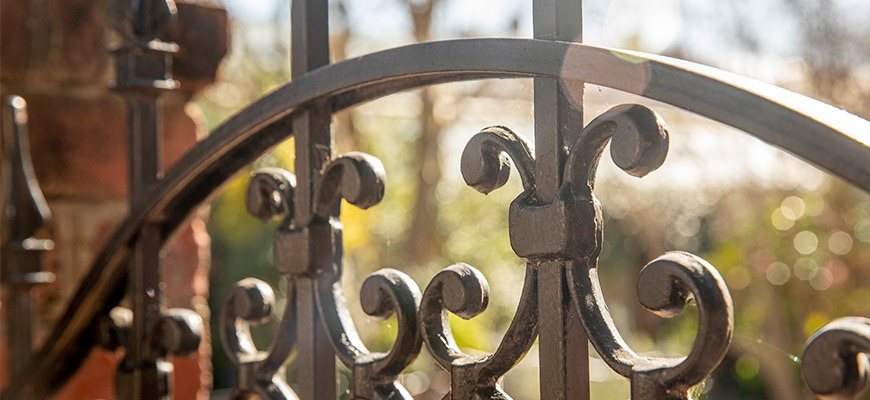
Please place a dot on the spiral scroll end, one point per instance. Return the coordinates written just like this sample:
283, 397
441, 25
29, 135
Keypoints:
356, 177
640, 143
385, 290
270, 194
665, 286
834, 365
486, 159
657, 288
251, 300
465, 290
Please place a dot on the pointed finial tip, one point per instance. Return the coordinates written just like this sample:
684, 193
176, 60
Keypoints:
18, 108
16, 101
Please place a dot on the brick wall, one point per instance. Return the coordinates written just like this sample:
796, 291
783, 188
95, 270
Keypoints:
53, 54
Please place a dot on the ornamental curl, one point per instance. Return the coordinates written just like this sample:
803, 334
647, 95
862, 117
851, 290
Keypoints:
250, 303
178, 332
356, 177
486, 158
664, 286
384, 293
834, 363
638, 144
270, 194
464, 291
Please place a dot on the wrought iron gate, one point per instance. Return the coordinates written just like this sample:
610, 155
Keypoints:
555, 223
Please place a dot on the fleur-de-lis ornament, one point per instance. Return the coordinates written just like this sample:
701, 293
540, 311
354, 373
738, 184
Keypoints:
569, 230
314, 252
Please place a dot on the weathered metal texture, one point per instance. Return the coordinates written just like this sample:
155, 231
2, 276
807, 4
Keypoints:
463, 290
251, 301
315, 239
557, 122
834, 363
639, 144
306, 254
665, 286
24, 212
568, 230
556, 224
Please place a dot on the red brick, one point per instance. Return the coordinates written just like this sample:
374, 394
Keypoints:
54, 55
13, 39
78, 52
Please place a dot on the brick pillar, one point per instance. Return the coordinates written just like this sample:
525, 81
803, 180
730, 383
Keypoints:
54, 56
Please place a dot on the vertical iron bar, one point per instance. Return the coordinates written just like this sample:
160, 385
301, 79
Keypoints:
316, 359
557, 121
144, 66
309, 42
144, 137
563, 347
310, 50
21, 332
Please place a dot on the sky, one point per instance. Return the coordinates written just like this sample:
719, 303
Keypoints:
701, 30
655, 24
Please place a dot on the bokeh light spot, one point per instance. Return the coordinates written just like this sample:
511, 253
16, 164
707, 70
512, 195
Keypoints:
862, 230
805, 268
840, 243
795, 205
780, 220
746, 367
738, 278
822, 279
778, 273
814, 204
806, 242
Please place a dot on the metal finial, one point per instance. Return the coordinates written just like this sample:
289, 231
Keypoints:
24, 207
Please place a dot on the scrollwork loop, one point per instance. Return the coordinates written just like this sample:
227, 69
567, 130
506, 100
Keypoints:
485, 163
639, 143
464, 291
357, 177
389, 292
383, 294
665, 286
270, 194
834, 363
460, 289
250, 303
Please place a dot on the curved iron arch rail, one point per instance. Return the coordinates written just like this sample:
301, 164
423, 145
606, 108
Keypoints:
820, 134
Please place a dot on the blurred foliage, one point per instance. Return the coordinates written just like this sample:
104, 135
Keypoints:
792, 247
